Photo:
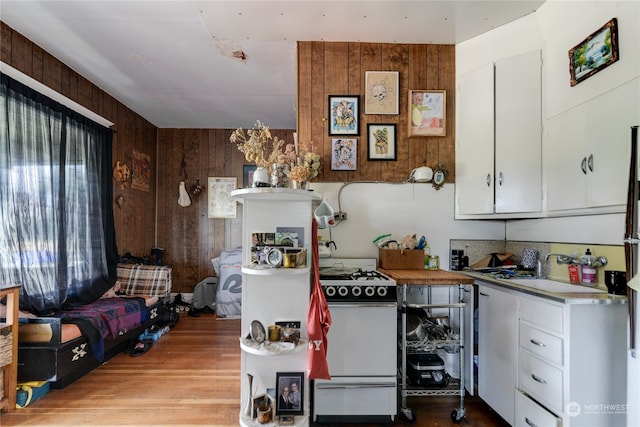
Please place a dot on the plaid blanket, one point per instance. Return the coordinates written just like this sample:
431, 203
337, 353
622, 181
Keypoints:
145, 280
106, 319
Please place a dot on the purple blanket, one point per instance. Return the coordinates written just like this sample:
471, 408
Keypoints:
111, 317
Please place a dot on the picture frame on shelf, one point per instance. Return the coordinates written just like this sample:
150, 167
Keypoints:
221, 205
289, 393
247, 175
439, 176
595, 53
344, 154
344, 115
427, 115
381, 92
381, 141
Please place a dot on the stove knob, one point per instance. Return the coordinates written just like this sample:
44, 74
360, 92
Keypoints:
330, 291
369, 291
356, 291
382, 291
343, 291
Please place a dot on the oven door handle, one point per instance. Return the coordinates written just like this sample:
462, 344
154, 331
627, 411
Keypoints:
361, 304
354, 386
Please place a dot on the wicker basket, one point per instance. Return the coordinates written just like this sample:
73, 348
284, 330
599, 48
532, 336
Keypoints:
6, 347
1, 384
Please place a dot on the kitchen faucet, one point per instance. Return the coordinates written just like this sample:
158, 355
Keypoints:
566, 259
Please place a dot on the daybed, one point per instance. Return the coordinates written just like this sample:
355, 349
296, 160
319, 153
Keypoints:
64, 347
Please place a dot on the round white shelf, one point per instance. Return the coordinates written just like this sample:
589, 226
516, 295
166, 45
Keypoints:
299, 420
273, 193
267, 270
268, 348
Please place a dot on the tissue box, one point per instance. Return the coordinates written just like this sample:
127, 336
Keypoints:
401, 259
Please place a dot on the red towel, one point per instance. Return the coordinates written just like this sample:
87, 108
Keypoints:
318, 320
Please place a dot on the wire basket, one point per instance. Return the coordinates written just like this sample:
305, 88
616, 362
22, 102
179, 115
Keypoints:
6, 347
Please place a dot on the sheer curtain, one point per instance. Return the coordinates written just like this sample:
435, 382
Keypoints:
57, 238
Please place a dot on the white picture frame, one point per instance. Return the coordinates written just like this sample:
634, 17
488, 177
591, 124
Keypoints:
220, 203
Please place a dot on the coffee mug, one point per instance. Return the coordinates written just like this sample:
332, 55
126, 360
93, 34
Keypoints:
529, 258
616, 282
264, 414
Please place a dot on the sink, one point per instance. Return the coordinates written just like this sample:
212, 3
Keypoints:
555, 286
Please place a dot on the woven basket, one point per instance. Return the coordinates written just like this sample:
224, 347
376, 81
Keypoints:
1, 384
6, 349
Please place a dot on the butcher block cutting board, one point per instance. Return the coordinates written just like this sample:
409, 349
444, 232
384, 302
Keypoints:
427, 277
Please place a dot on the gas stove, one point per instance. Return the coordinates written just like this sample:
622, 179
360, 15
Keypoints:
355, 280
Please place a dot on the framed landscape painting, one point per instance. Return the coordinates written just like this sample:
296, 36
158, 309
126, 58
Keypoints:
593, 54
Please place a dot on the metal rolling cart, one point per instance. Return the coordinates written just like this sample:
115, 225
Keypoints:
429, 279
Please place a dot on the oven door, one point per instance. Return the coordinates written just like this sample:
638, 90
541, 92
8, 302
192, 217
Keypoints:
355, 399
362, 339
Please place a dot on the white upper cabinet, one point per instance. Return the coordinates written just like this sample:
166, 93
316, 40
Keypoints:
499, 145
587, 151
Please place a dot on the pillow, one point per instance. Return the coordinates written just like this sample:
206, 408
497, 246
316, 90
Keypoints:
229, 293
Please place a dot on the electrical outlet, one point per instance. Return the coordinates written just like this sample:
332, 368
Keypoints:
340, 216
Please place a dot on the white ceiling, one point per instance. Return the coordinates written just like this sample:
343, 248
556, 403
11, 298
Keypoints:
172, 61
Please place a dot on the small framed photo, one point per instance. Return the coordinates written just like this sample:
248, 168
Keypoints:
344, 114
344, 152
381, 141
427, 113
439, 176
381, 96
247, 175
221, 205
290, 393
593, 54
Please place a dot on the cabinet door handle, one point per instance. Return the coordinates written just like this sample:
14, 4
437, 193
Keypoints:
488, 180
500, 179
538, 343
483, 294
529, 422
583, 165
466, 290
538, 379
590, 162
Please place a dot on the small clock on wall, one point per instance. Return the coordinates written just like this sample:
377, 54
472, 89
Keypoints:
439, 176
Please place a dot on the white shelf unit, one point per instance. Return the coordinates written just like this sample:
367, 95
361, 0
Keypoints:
276, 294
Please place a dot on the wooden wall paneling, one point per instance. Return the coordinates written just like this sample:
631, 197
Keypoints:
318, 107
65, 78
336, 82
223, 156
446, 149
417, 81
162, 226
432, 144
394, 57
203, 244
6, 35
356, 85
303, 115
37, 58
21, 58
371, 60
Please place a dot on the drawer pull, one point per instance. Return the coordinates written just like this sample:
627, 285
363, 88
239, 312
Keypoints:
538, 343
538, 379
529, 422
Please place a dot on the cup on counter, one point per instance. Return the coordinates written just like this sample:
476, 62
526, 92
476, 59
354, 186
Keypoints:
529, 258
616, 282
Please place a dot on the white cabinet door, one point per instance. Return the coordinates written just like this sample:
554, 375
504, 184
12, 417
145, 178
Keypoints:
518, 146
587, 151
498, 350
475, 143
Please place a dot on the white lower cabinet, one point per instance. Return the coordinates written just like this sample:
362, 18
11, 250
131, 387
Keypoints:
572, 364
552, 361
497, 349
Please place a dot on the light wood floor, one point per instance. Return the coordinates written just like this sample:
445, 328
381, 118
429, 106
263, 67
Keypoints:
189, 377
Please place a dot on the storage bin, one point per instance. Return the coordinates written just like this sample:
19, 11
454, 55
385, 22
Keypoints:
401, 259
6, 349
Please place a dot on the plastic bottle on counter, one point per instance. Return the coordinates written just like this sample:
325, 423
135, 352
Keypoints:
589, 272
427, 256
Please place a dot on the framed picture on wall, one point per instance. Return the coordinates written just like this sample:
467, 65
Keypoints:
220, 203
381, 96
344, 114
427, 113
593, 54
344, 153
381, 141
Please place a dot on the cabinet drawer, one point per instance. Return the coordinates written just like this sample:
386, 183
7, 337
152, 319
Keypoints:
543, 381
541, 343
543, 314
530, 414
